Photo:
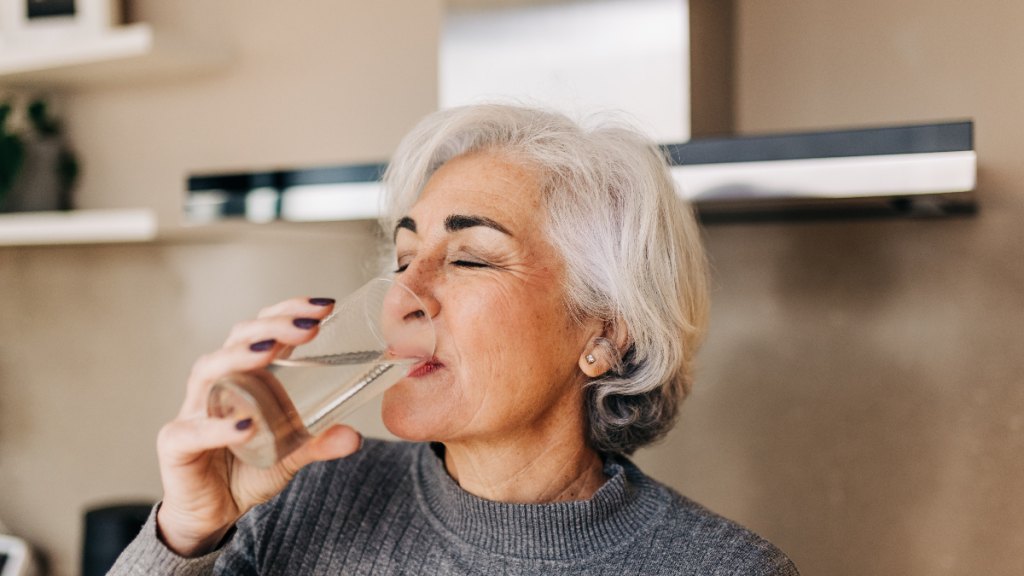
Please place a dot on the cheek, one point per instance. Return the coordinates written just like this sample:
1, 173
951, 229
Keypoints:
511, 337
490, 328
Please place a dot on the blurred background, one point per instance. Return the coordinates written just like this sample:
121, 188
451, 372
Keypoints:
859, 398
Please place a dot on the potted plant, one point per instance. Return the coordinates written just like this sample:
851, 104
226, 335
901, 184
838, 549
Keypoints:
12, 154
37, 169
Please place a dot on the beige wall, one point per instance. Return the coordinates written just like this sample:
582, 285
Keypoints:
859, 400
712, 57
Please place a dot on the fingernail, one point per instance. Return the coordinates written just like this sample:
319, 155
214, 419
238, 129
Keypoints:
262, 345
321, 301
305, 323
243, 424
362, 440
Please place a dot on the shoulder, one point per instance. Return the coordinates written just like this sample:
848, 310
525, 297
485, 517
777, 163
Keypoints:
722, 543
700, 540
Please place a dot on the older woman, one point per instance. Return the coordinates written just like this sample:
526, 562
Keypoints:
566, 282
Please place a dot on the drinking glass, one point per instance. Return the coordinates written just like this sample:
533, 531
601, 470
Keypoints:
366, 345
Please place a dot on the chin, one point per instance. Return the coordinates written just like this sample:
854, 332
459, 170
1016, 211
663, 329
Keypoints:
404, 418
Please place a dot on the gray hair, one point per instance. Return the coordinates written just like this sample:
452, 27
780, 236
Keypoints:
630, 243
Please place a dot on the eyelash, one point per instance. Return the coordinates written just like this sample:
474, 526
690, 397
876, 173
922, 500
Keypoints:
470, 264
461, 263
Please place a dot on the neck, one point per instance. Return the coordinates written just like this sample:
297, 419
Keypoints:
520, 472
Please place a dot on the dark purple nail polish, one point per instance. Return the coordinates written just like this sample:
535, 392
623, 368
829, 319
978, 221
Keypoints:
262, 345
305, 323
243, 424
321, 301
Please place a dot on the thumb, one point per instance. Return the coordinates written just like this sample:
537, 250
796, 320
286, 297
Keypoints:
337, 441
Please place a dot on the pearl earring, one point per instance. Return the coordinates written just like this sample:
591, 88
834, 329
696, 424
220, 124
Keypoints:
591, 359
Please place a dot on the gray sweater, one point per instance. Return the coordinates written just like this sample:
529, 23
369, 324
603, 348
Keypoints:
392, 509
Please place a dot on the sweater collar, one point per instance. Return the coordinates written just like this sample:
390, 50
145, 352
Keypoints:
622, 507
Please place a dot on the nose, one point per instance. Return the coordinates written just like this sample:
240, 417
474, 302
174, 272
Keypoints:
420, 279
421, 304
407, 326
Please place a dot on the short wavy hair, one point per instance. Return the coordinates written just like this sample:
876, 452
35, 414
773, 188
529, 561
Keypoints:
631, 247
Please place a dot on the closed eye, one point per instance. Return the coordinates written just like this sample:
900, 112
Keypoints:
461, 263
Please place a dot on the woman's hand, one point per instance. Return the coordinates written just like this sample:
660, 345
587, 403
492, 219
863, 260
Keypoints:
205, 488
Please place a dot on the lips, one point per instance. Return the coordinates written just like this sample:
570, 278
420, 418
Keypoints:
424, 368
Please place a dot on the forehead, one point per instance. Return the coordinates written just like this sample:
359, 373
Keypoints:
482, 184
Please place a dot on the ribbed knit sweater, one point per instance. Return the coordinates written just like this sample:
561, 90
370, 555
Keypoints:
391, 508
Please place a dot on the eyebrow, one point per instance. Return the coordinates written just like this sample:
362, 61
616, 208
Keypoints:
405, 222
457, 222
454, 223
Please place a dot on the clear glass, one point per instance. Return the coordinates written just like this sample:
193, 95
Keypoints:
365, 346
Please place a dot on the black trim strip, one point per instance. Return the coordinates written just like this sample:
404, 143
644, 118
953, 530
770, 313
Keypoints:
919, 139
243, 182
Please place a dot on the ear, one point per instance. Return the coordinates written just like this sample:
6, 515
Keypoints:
604, 349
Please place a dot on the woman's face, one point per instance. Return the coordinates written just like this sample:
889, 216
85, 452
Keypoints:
506, 363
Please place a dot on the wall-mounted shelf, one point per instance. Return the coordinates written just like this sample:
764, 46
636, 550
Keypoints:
124, 54
40, 59
77, 227
139, 226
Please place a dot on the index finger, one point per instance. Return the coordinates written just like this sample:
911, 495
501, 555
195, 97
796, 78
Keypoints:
298, 307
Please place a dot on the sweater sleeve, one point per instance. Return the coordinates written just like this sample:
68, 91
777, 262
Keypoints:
148, 556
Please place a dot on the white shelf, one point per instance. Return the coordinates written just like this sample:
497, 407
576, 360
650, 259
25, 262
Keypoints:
121, 42
124, 54
77, 227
